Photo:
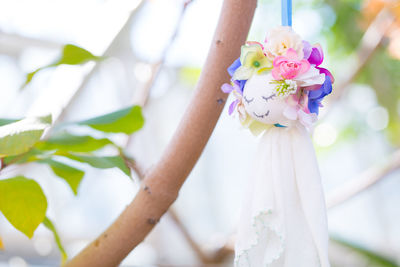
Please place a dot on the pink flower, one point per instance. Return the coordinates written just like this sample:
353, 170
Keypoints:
289, 66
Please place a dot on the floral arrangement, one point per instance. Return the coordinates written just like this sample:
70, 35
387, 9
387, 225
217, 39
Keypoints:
293, 72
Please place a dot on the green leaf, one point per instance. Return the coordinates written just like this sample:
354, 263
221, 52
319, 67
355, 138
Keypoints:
71, 55
20, 136
30, 76
49, 225
73, 143
374, 258
23, 203
127, 120
75, 55
102, 162
70, 174
7, 121
32, 155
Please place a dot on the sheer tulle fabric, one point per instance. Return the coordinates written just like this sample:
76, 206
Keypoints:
283, 221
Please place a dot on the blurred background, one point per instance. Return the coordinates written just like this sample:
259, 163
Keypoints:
154, 52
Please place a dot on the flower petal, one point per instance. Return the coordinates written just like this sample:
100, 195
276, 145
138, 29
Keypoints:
255, 43
243, 73
307, 119
242, 83
279, 60
305, 66
235, 65
291, 54
227, 88
311, 77
307, 48
255, 51
276, 74
232, 106
265, 63
316, 56
327, 73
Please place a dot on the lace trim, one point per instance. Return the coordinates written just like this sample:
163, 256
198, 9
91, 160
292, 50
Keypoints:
259, 222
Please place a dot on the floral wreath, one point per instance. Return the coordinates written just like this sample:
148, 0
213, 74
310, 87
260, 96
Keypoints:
295, 68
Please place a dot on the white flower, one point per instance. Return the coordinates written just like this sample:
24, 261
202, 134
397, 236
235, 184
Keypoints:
309, 78
281, 39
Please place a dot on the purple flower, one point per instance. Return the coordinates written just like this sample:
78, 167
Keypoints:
228, 88
315, 97
307, 49
232, 106
316, 58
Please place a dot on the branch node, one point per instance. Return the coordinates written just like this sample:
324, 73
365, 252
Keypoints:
152, 221
147, 189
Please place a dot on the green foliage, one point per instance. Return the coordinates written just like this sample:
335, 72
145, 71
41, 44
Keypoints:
345, 33
71, 55
127, 120
374, 258
49, 225
75, 55
102, 162
71, 175
6, 121
23, 203
22, 200
19, 137
32, 155
65, 141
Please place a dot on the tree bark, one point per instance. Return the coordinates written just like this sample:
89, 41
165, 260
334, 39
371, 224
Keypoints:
161, 185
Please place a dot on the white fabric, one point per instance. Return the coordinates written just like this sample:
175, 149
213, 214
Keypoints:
283, 221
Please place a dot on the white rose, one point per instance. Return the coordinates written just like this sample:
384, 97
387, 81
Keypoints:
281, 39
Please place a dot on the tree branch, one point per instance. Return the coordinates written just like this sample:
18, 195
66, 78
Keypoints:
142, 96
368, 45
365, 180
161, 185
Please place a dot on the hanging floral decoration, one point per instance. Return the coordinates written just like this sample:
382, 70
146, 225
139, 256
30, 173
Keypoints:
294, 66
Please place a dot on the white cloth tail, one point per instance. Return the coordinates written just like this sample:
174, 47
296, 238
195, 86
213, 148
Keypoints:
283, 221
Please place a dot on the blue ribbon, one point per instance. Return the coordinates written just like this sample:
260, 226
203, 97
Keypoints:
279, 125
286, 10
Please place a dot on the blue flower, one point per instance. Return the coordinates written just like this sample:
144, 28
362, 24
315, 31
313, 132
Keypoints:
315, 97
235, 65
231, 70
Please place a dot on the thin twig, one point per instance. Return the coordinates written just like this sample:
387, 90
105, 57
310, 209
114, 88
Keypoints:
156, 67
364, 181
141, 97
85, 81
368, 45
